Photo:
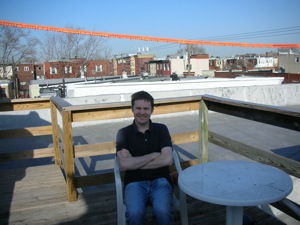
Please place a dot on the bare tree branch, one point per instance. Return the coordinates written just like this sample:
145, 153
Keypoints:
195, 49
16, 45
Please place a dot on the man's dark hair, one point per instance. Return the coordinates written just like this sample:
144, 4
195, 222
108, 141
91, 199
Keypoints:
142, 95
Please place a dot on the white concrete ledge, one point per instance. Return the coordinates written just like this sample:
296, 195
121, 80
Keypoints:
91, 89
275, 95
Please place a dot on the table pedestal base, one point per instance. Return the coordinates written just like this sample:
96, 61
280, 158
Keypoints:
234, 215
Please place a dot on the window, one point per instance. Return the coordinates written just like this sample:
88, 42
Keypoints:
121, 61
68, 69
83, 69
187, 67
53, 70
297, 59
26, 68
98, 68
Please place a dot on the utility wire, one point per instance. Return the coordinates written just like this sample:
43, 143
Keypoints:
247, 35
254, 34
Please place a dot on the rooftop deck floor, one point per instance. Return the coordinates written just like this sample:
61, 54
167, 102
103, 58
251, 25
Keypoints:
37, 195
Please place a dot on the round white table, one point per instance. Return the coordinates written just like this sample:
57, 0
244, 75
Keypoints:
235, 184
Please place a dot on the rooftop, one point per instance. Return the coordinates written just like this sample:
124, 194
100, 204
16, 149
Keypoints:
34, 191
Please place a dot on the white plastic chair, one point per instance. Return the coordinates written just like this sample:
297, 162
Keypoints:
179, 202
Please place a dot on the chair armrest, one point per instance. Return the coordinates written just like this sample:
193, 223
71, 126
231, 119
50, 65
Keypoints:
177, 161
119, 190
118, 180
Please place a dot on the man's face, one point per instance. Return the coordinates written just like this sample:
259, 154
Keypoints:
142, 111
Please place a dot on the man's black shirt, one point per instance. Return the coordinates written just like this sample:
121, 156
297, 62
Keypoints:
139, 144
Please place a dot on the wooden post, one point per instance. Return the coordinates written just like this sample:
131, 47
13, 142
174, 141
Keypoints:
55, 139
69, 155
203, 112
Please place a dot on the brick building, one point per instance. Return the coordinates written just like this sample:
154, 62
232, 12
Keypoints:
158, 67
25, 72
132, 64
77, 68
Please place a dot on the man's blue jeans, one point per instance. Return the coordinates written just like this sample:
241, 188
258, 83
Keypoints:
157, 192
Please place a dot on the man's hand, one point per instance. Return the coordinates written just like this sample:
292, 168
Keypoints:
165, 158
128, 162
125, 153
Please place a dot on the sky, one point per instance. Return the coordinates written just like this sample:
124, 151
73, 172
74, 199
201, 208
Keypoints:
255, 21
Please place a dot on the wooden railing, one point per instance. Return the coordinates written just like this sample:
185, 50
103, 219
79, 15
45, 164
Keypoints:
66, 152
63, 115
260, 113
25, 105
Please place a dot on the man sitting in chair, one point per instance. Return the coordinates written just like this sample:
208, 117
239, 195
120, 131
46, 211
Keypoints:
144, 151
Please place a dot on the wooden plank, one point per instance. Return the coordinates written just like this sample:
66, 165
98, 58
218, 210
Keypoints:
60, 134
26, 132
261, 113
62, 163
95, 149
186, 137
173, 107
69, 156
94, 180
110, 147
27, 154
60, 103
101, 114
185, 164
38, 186
55, 133
249, 105
63, 105
24, 104
289, 166
114, 111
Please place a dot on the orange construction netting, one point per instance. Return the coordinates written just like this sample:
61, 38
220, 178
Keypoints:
144, 38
